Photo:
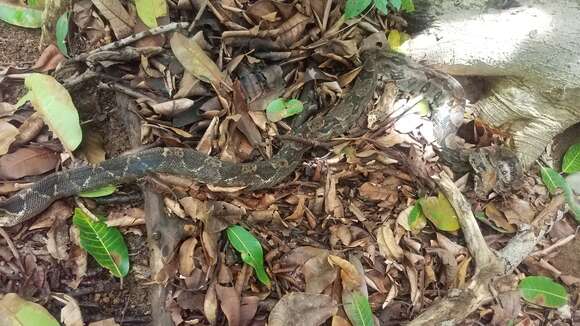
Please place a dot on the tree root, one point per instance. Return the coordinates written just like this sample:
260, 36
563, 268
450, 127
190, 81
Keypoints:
490, 266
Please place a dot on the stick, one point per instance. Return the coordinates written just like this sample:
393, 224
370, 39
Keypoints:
133, 38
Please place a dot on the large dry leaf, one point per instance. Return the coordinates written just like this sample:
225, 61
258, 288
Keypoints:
121, 22
70, 315
318, 274
26, 162
195, 60
302, 309
210, 304
230, 303
8, 133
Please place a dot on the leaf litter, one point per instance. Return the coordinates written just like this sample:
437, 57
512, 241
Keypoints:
357, 235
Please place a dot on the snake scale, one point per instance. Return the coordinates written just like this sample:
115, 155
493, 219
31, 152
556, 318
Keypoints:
445, 95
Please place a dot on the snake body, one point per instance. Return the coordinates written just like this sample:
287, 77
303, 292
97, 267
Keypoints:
442, 91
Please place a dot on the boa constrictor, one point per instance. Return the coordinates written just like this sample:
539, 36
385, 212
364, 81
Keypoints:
444, 94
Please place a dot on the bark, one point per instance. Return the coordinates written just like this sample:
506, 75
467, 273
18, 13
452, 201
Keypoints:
531, 50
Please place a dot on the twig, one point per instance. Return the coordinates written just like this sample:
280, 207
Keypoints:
461, 302
198, 16
475, 242
133, 38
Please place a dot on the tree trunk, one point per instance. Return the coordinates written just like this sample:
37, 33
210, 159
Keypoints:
534, 46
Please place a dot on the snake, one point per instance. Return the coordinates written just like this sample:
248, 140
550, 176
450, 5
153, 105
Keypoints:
444, 94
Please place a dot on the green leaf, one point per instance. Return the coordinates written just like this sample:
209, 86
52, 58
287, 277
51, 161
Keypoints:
381, 6
15, 311
36, 4
99, 192
440, 212
21, 16
543, 291
408, 5
417, 220
358, 309
280, 109
250, 249
396, 4
149, 10
353, 8
105, 244
61, 33
56, 108
571, 162
552, 179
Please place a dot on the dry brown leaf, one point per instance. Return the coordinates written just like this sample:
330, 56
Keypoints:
190, 86
26, 162
8, 133
59, 210
302, 309
248, 309
104, 322
58, 240
340, 321
518, 211
49, 59
30, 129
93, 147
121, 21
230, 303
318, 274
195, 60
340, 233
301, 255
70, 315
462, 273
448, 260
205, 143
77, 261
210, 245
173, 108
373, 192
388, 246
498, 218
210, 304
148, 41
186, 256
351, 279
7, 109
88, 21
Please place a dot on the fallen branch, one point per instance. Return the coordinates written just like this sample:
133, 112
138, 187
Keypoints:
132, 38
489, 266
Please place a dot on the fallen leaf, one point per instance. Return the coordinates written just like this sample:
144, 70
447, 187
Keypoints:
15, 311
318, 274
49, 59
104, 322
195, 60
302, 309
121, 22
26, 162
281, 108
186, 256
230, 303
173, 107
7, 109
388, 246
93, 147
248, 309
56, 107
440, 212
57, 241
351, 279
210, 304
20, 16
8, 133
70, 314
150, 10
357, 308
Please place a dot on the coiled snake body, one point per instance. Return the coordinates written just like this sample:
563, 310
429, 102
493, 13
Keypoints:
442, 91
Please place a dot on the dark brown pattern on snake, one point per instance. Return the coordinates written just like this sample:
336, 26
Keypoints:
442, 91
